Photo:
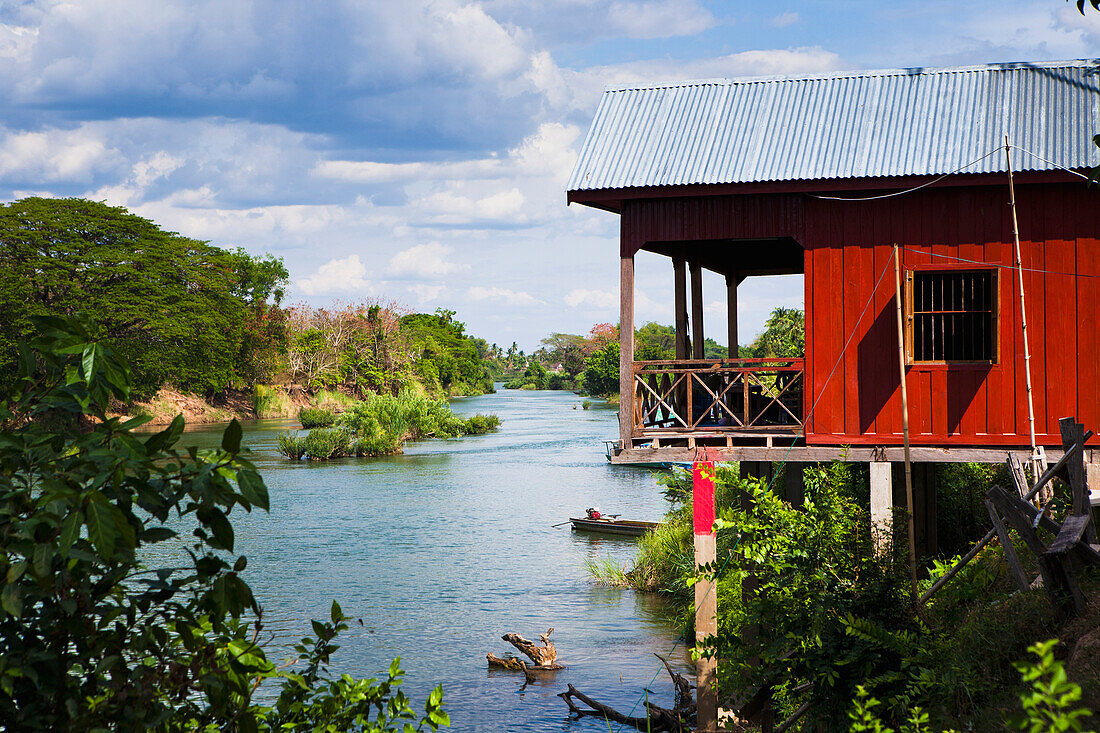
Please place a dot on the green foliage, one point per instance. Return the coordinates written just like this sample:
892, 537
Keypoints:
292, 445
1049, 703
446, 355
784, 335
324, 443
381, 425
180, 311
92, 637
1048, 706
316, 417
271, 402
601, 371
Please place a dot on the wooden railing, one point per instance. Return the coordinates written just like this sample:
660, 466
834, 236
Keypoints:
728, 395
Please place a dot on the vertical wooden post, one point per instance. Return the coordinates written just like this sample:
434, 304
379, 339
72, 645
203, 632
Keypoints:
626, 351
1037, 461
882, 505
696, 310
731, 314
680, 289
905, 425
706, 600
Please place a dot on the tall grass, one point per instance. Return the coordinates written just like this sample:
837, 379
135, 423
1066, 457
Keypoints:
607, 572
271, 402
333, 401
382, 424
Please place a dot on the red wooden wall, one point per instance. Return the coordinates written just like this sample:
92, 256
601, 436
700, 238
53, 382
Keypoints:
848, 245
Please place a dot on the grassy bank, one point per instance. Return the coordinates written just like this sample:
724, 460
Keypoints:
832, 616
379, 425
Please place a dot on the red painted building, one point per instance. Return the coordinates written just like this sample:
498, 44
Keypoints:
815, 175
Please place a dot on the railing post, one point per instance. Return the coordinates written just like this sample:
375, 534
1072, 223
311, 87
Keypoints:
745, 391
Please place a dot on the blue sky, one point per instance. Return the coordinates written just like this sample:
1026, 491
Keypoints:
417, 150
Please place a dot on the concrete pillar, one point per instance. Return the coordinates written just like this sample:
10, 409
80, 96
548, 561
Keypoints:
882, 504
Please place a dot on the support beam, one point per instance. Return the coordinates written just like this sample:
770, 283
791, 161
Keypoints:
696, 310
731, 314
626, 350
882, 504
680, 288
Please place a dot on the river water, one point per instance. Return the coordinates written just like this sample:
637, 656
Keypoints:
441, 550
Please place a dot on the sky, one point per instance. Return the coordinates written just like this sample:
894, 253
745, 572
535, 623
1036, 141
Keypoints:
417, 150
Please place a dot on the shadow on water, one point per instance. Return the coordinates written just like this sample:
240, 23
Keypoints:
443, 549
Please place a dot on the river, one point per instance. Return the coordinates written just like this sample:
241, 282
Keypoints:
441, 550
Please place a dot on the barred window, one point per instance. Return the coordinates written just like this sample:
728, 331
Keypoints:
952, 316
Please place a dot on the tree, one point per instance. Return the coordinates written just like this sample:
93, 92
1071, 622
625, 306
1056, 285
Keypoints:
93, 638
176, 308
601, 372
784, 335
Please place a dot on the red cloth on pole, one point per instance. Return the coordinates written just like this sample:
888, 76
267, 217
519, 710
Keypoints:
702, 496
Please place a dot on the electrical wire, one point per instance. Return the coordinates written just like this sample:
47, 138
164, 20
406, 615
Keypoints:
1048, 162
909, 190
998, 264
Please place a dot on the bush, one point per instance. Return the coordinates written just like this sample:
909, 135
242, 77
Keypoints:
316, 417
94, 633
291, 445
324, 443
481, 424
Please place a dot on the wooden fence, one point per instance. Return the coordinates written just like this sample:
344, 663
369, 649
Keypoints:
728, 395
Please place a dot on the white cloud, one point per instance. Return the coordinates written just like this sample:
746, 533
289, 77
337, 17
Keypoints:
55, 155
336, 276
425, 293
588, 84
659, 18
503, 296
597, 298
424, 261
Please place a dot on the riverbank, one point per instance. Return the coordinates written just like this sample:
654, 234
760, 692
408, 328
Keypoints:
258, 403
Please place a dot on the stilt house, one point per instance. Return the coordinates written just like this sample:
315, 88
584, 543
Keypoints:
823, 175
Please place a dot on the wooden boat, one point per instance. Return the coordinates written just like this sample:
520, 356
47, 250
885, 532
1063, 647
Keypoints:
630, 527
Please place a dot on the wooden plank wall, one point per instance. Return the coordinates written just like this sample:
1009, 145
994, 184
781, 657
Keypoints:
849, 245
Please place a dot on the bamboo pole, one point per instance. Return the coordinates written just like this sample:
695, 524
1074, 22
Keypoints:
905, 426
1037, 461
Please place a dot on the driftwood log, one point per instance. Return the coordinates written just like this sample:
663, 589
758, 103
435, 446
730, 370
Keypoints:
679, 719
543, 658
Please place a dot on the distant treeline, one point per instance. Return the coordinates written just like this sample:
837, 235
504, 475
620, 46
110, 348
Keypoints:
590, 364
188, 315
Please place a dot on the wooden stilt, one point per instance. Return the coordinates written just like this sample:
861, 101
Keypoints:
905, 425
697, 338
731, 315
626, 351
679, 271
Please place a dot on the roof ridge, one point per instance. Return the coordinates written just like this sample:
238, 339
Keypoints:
859, 73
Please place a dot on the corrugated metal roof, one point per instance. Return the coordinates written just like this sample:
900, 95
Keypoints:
844, 125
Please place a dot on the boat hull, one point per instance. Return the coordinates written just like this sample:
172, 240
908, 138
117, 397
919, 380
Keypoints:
628, 527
